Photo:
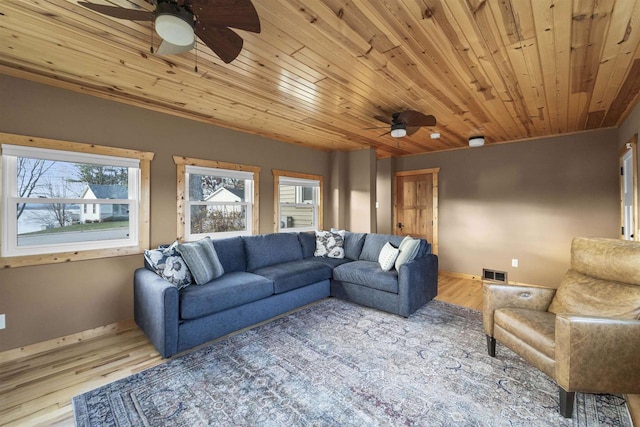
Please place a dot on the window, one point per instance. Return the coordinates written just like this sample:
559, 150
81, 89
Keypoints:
216, 199
80, 200
298, 201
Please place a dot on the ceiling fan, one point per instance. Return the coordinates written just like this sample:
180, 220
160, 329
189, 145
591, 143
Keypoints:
406, 122
179, 21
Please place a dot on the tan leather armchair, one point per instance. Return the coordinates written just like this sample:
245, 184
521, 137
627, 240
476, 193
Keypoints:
585, 334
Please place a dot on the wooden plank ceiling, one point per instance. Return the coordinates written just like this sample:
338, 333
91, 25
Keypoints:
320, 70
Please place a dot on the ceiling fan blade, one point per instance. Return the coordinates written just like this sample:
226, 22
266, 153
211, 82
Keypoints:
377, 127
167, 48
416, 118
240, 14
383, 119
120, 12
386, 133
223, 41
412, 129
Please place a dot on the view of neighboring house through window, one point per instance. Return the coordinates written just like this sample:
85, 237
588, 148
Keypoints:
60, 201
298, 202
220, 202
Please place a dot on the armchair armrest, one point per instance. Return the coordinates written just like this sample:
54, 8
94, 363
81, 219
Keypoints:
155, 309
597, 354
496, 296
417, 283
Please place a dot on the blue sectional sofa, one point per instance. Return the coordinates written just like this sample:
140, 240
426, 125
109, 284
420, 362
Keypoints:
267, 275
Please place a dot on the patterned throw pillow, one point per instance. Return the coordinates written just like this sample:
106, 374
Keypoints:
387, 256
408, 250
167, 263
202, 260
330, 244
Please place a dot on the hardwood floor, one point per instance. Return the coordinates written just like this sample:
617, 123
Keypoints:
36, 390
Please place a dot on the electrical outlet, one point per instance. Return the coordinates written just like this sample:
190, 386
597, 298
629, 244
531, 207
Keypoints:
2, 324
514, 262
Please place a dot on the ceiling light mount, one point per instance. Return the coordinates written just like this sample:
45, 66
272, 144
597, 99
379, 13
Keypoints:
174, 24
476, 141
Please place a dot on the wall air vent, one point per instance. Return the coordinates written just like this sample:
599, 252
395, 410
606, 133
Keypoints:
494, 276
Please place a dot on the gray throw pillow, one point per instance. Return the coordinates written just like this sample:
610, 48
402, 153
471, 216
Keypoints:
202, 260
408, 250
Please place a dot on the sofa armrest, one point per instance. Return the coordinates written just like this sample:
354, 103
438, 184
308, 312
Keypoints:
496, 296
417, 283
597, 354
155, 308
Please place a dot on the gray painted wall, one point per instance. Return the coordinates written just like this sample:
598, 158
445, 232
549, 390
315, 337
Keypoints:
44, 302
524, 200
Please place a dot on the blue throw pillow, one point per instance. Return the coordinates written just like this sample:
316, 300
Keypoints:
168, 264
202, 260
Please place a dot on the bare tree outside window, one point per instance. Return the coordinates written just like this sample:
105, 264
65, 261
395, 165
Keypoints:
30, 171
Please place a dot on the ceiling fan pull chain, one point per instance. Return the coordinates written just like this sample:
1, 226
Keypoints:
195, 45
153, 27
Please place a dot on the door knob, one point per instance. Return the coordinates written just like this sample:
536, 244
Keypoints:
400, 225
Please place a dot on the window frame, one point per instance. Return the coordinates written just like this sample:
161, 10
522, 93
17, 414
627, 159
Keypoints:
277, 175
182, 164
135, 245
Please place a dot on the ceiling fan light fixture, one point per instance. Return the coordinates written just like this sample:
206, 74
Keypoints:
398, 130
435, 135
174, 24
476, 141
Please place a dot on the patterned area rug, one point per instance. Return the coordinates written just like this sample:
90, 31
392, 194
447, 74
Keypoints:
336, 363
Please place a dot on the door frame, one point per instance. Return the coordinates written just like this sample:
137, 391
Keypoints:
632, 146
434, 172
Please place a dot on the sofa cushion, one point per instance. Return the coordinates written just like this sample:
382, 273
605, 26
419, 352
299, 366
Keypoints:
585, 295
167, 263
425, 248
231, 254
295, 274
308, 243
228, 291
373, 244
353, 243
330, 244
202, 260
269, 249
331, 262
369, 274
535, 328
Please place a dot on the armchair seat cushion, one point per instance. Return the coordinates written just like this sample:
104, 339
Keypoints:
535, 328
227, 291
295, 274
369, 274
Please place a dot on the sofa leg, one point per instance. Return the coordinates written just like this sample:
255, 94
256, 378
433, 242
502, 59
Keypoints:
491, 346
566, 402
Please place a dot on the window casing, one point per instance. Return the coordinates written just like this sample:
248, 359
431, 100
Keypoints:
53, 212
216, 199
298, 201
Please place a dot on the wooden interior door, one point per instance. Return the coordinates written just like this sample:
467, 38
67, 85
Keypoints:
416, 205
